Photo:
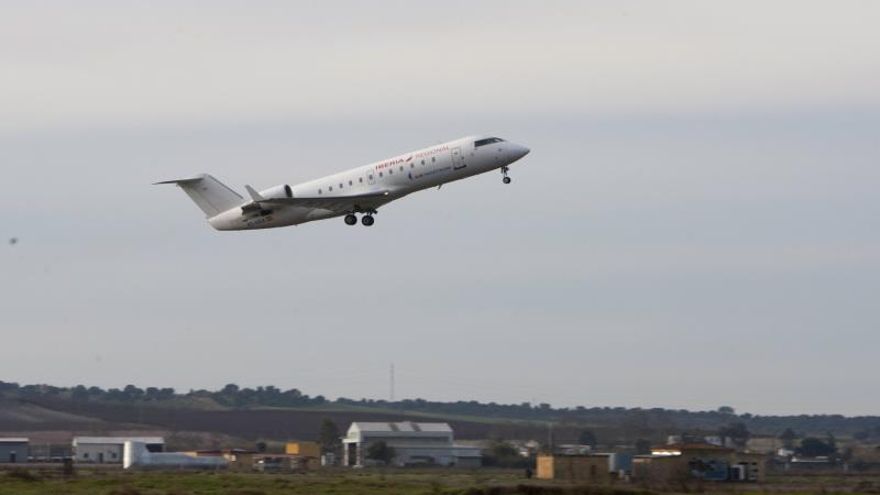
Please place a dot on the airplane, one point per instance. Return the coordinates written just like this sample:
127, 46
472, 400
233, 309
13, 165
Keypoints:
360, 190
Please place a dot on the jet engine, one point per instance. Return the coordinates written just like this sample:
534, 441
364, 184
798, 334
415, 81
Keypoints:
277, 192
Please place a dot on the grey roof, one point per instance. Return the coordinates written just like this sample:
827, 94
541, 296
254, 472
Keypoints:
403, 426
116, 440
14, 440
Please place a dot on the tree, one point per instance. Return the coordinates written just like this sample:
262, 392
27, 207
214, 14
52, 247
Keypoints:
503, 454
643, 446
815, 447
788, 437
587, 437
328, 436
79, 392
726, 410
380, 451
736, 432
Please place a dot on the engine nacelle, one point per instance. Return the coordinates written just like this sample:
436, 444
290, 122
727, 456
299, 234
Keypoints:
277, 192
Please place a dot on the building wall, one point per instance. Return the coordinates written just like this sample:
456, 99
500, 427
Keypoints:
99, 452
13, 452
593, 469
311, 449
667, 469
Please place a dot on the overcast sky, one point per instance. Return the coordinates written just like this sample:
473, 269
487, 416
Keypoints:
697, 224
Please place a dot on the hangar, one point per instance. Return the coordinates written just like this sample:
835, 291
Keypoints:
413, 444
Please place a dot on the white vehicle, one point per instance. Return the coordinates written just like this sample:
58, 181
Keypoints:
360, 190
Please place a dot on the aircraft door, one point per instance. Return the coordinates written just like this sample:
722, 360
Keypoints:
457, 159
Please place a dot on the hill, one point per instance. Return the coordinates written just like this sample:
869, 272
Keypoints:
272, 414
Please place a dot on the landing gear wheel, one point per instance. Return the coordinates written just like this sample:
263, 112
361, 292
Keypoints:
350, 219
367, 220
506, 179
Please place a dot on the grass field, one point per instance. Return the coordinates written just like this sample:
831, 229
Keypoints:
392, 482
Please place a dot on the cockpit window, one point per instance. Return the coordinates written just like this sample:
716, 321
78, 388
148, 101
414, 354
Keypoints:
484, 142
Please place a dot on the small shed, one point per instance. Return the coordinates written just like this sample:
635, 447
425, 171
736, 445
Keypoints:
14, 450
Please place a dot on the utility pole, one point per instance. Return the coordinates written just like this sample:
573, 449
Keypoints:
391, 376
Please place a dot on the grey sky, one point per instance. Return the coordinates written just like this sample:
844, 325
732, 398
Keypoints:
696, 225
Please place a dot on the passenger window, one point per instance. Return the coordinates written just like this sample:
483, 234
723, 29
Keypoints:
380, 174
390, 171
361, 180
412, 165
401, 168
350, 183
371, 176
423, 162
433, 158
330, 188
340, 185
320, 191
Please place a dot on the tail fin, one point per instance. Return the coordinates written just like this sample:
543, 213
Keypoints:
211, 195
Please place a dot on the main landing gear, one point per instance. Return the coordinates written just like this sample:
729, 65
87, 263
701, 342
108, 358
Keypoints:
367, 219
504, 171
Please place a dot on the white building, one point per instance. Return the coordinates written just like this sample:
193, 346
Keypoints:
413, 444
110, 449
136, 456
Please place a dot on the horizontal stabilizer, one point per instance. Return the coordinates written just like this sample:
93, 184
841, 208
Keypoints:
191, 180
212, 196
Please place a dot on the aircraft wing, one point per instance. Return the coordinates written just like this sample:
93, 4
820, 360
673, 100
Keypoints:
333, 203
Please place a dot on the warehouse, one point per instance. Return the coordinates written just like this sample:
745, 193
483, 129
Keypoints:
103, 450
412, 444
13, 450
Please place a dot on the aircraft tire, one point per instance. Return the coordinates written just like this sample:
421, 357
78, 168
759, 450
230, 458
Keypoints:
367, 220
350, 219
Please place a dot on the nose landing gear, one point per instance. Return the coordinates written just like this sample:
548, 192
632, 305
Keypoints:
504, 171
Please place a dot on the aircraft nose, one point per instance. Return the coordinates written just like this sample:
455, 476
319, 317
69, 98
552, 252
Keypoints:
520, 151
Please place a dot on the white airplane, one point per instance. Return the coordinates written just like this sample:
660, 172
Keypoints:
360, 190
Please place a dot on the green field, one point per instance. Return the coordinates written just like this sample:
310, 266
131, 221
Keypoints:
391, 482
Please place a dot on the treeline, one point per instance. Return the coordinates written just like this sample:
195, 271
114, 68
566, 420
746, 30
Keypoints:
636, 422
231, 395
